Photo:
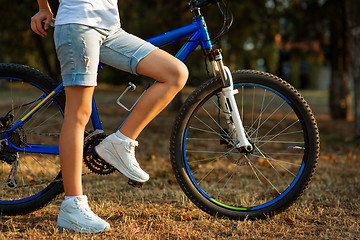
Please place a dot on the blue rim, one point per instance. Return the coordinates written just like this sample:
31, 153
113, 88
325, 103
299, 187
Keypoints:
22, 200
240, 208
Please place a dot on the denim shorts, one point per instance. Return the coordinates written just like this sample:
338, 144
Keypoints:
80, 48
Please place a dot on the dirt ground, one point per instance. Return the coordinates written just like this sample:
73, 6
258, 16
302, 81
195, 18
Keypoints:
329, 209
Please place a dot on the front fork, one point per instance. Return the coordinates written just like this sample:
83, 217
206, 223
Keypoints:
227, 101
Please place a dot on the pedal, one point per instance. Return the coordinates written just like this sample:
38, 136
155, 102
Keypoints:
135, 184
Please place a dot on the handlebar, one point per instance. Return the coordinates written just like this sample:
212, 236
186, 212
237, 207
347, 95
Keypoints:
202, 3
223, 5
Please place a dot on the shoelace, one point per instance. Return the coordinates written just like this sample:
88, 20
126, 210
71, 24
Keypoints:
85, 209
132, 146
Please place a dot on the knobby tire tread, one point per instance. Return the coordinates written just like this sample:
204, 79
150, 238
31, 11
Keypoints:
178, 125
52, 191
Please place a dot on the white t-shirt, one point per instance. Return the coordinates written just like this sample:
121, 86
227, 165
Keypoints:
94, 13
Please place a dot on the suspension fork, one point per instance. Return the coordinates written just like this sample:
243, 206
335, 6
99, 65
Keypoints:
227, 100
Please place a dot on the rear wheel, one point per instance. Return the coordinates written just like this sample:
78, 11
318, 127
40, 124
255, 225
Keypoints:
28, 181
224, 180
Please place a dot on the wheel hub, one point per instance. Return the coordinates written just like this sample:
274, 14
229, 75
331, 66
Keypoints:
16, 138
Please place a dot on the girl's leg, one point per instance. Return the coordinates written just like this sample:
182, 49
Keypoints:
171, 75
77, 113
78, 51
75, 213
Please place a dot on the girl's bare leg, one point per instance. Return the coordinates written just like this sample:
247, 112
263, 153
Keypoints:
77, 113
171, 75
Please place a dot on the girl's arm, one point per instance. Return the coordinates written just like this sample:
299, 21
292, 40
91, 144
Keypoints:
44, 13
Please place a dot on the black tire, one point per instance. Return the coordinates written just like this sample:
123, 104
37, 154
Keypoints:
224, 181
38, 177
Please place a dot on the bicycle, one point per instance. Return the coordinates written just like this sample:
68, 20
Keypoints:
244, 144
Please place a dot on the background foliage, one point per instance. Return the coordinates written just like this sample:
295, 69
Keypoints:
305, 42
249, 44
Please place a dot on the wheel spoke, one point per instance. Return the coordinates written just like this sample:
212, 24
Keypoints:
237, 182
35, 171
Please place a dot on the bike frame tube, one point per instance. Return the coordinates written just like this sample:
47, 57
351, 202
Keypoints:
197, 31
199, 35
95, 116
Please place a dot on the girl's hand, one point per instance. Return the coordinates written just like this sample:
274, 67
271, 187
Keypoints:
37, 21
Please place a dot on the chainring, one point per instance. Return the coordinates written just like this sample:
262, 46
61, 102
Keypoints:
92, 159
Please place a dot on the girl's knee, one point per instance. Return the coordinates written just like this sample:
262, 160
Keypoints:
80, 117
180, 75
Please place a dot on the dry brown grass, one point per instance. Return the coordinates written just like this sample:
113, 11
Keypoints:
329, 209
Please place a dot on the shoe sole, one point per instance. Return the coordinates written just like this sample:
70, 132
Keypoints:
63, 223
107, 154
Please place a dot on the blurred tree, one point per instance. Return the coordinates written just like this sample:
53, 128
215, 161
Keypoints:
352, 10
252, 36
18, 43
302, 33
255, 25
307, 24
339, 100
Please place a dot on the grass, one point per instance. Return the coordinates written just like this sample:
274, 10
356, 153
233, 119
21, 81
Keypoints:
329, 209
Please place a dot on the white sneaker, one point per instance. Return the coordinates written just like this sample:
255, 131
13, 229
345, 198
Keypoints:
75, 214
121, 154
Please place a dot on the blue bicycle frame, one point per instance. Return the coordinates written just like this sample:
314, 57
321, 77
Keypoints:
199, 35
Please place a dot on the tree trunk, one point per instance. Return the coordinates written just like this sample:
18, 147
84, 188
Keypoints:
52, 71
2, 84
339, 86
353, 20
44, 56
339, 95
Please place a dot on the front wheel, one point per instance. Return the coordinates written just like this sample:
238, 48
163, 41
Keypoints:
224, 180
